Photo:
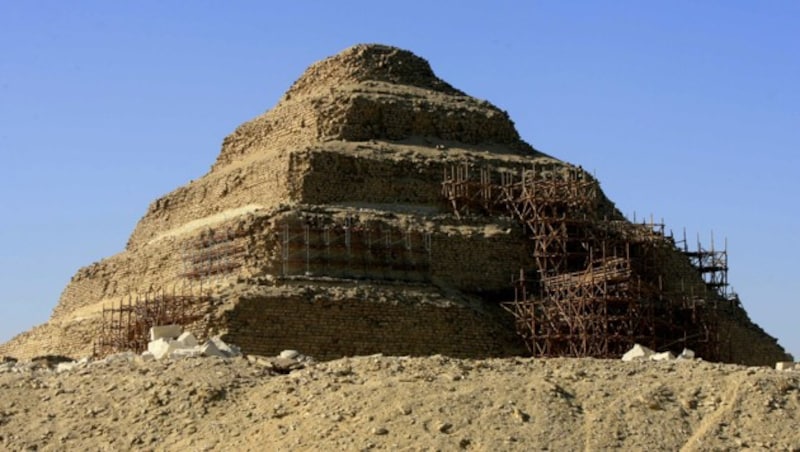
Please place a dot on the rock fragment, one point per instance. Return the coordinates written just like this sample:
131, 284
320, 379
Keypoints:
638, 352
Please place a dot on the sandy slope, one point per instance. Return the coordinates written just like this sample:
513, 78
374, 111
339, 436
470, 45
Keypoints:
391, 403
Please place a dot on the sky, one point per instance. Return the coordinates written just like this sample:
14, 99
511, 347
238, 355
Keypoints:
686, 110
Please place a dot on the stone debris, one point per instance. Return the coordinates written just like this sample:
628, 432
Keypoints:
289, 354
787, 365
174, 344
187, 339
638, 353
663, 356
161, 347
165, 332
181, 345
285, 362
641, 353
227, 349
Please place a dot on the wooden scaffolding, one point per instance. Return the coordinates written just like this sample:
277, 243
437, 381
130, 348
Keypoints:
596, 288
125, 326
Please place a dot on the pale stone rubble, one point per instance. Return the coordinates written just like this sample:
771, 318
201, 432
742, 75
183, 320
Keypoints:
166, 342
170, 342
641, 353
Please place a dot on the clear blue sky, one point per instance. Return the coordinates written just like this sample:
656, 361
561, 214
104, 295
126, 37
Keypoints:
688, 110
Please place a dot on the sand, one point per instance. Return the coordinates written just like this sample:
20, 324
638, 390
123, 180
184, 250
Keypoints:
400, 403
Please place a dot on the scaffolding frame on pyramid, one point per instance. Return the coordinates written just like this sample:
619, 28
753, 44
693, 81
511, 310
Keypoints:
596, 288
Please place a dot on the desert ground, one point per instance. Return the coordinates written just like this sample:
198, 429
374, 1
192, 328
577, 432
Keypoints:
397, 403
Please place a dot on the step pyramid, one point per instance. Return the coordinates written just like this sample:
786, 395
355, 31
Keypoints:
372, 210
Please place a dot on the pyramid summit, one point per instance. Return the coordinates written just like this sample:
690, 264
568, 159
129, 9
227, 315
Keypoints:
371, 62
378, 209
370, 92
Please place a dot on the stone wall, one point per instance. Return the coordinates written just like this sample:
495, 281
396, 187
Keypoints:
474, 256
72, 339
743, 342
393, 321
263, 183
382, 114
335, 177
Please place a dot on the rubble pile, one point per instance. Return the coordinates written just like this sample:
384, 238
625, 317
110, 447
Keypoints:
641, 353
168, 341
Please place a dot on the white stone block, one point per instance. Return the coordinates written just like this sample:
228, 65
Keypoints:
637, 352
165, 331
785, 365
161, 348
228, 350
187, 339
687, 354
289, 354
663, 356
210, 349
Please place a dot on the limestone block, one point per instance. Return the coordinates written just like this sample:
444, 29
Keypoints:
663, 356
228, 350
161, 348
165, 331
147, 356
637, 352
187, 339
289, 354
785, 365
210, 349
686, 354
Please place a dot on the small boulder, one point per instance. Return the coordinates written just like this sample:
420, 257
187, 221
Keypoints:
663, 356
285, 365
187, 339
289, 354
637, 352
228, 350
211, 349
687, 354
